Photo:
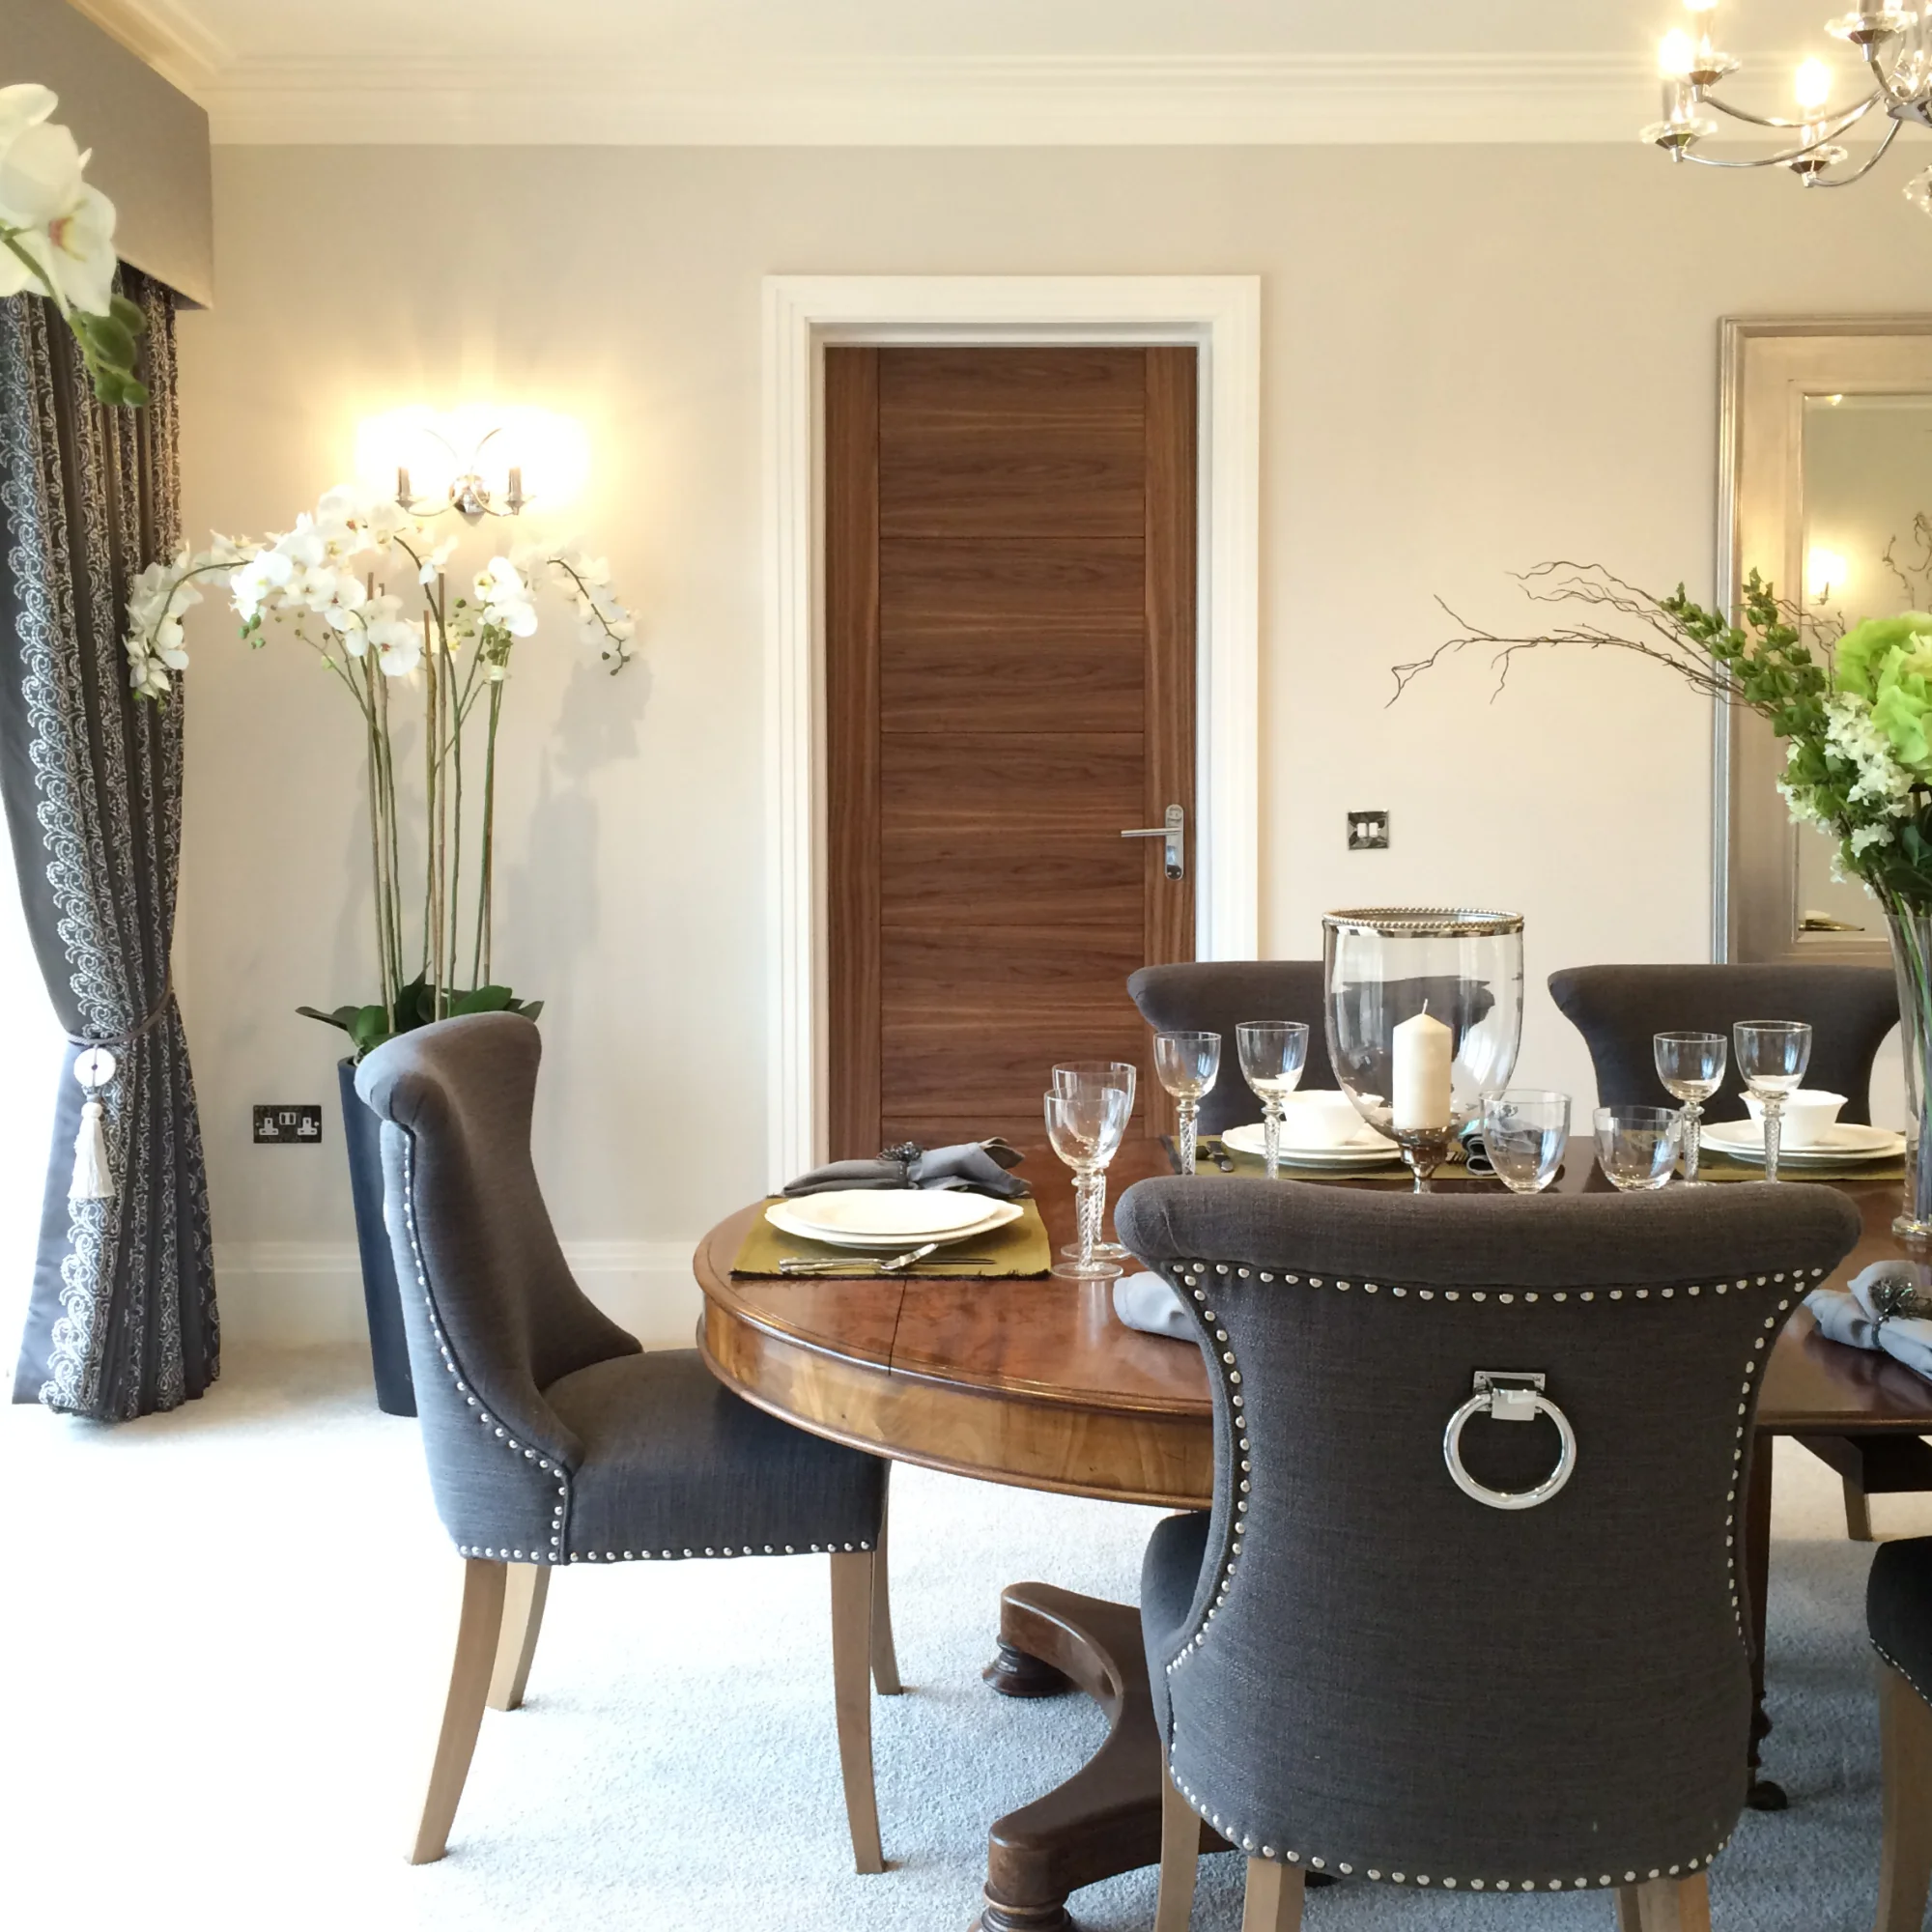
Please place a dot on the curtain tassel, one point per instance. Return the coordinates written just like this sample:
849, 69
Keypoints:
92, 1178
93, 1175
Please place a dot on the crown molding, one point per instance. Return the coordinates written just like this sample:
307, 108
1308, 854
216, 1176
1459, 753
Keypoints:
946, 101
1231, 100
166, 34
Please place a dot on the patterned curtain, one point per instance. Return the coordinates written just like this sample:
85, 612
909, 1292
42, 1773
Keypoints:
122, 1320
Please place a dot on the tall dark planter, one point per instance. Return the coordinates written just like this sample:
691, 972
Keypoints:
389, 1345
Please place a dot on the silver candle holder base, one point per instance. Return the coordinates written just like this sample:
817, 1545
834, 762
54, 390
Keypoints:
1425, 1150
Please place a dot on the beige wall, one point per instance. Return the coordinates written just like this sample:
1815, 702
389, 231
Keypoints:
1475, 358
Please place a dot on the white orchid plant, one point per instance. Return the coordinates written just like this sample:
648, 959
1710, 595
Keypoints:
57, 240
325, 583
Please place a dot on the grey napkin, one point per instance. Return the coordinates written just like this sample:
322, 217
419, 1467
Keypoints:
1146, 1302
979, 1166
1880, 1311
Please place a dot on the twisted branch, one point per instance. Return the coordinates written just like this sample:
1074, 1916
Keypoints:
1648, 629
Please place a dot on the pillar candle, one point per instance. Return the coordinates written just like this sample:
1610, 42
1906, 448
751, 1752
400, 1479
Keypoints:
1423, 1050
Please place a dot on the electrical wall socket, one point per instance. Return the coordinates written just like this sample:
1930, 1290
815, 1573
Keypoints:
297, 1125
1368, 831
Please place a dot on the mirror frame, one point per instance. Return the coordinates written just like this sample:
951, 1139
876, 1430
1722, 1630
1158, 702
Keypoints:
1767, 366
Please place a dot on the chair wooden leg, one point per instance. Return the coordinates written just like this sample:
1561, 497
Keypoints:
1905, 1751
1180, 1857
885, 1652
1274, 1897
1667, 1905
852, 1696
524, 1595
477, 1626
1858, 1513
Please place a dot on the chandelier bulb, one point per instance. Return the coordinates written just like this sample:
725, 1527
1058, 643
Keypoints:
1675, 54
1812, 84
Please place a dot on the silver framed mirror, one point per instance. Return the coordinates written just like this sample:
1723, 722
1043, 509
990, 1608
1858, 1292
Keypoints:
1826, 435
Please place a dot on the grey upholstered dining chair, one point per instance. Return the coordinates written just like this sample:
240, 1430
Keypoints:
1899, 1612
554, 1439
1619, 1009
1528, 1676
1215, 996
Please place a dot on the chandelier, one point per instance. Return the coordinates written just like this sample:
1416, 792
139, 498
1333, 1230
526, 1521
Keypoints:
1896, 45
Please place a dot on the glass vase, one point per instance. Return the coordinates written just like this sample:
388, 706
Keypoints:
1424, 1013
1912, 962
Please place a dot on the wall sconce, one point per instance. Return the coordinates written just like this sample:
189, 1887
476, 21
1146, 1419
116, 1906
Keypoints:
469, 494
481, 460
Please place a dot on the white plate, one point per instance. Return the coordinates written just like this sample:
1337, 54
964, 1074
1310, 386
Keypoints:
1743, 1140
893, 1212
1368, 1149
784, 1215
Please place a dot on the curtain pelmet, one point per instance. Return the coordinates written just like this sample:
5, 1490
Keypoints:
123, 1318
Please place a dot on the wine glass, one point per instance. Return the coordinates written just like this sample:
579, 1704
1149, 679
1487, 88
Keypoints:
1692, 1067
1074, 1076
1272, 1053
1086, 1128
1636, 1146
1526, 1131
1771, 1057
1187, 1064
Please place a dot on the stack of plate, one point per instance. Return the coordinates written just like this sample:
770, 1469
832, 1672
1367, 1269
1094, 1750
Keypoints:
1839, 1146
887, 1219
1364, 1147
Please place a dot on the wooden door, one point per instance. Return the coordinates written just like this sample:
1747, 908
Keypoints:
1009, 685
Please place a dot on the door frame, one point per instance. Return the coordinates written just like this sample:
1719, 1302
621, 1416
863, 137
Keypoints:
1217, 315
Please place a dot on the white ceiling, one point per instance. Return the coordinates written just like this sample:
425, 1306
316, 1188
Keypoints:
932, 70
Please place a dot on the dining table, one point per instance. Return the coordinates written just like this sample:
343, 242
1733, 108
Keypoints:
1034, 1382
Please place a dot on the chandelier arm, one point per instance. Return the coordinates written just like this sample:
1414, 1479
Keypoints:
1840, 121
1894, 97
1864, 167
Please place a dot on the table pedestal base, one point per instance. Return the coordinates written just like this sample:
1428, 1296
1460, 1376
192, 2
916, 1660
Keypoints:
1105, 1819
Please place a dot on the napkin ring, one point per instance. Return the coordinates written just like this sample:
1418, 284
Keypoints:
904, 1153
1895, 1296
1508, 1396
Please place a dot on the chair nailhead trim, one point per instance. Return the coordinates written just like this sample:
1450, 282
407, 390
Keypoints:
559, 1514
545, 1465
1188, 1274
1901, 1669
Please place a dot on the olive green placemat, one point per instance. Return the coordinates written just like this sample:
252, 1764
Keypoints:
1019, 1248
1718, 1167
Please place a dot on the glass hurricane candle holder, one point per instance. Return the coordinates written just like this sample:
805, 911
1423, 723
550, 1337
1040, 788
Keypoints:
1424, 1014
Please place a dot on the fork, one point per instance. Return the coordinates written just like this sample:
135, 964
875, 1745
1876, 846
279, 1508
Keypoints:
852, 1263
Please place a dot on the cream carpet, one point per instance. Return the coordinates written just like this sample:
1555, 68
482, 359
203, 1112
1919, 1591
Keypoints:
224, 1632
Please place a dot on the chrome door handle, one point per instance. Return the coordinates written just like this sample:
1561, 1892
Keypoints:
1175, 832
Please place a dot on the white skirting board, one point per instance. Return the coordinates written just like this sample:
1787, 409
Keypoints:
299, 1294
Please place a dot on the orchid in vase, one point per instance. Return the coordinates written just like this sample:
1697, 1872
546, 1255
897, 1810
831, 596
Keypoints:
327, 584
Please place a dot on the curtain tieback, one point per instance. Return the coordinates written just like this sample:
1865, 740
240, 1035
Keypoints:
96, 1067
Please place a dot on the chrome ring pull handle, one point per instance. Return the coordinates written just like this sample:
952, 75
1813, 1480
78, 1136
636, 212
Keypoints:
1509, 1397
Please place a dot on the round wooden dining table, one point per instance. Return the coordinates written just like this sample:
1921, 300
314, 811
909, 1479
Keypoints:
1036, 1383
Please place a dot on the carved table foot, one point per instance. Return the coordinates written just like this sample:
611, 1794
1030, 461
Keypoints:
1105, 1819
1012, 1673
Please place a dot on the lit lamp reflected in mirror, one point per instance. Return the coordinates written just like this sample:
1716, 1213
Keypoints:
480, 460
1824, 573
